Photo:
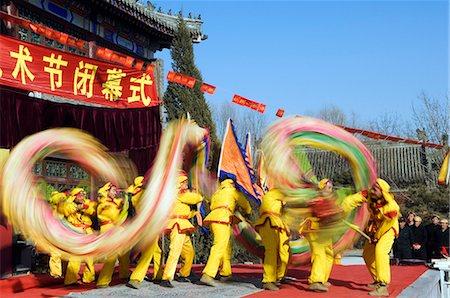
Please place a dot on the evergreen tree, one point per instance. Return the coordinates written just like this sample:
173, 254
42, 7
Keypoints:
180, 100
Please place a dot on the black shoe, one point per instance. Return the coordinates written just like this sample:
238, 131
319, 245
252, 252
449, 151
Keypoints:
166, 284
134, 284
182, 279
75, 284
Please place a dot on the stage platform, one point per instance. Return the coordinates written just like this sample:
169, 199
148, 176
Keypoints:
347, 281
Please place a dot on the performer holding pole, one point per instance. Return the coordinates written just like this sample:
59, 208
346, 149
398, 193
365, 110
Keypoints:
77, 210
223, 203
153, 251
383, 229
180, 228
275, 237
108, 213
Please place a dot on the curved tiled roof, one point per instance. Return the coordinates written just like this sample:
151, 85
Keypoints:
162, 22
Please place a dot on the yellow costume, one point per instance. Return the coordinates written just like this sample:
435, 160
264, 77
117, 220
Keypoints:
179, 228
223, 203
275, 237
147, 254
78, 215
108, 211
383, 229
55, 265
321, 247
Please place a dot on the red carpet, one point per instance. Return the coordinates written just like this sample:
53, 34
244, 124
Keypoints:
348, 282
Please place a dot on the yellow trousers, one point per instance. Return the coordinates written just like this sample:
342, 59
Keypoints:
276, 252
376, 257
322, 257
105, 276
220, 255
55, 265
74, 267
180, 246
153, 252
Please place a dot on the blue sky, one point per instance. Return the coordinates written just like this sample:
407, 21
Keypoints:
365, 57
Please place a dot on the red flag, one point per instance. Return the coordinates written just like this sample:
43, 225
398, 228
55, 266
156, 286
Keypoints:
261, 108
232, 164
150, 68
280, 113
48, 33
108, 54
62, 38
80, 44
180, 79
129, 61
208, 88
139, 64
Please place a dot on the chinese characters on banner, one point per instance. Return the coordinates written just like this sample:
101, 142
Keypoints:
36, 68
242, 101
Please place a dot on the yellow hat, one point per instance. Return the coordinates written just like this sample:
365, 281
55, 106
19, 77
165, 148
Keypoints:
385, 187
103, 191
417, 218
323, 183
138, 181
76, 191
57, 197
227, 183
181, 179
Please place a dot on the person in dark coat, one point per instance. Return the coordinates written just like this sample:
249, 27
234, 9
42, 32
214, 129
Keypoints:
442, 237
431, 228
403, 244
419, 240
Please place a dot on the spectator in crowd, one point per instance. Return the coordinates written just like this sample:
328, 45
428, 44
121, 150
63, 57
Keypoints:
442, 239
403, 244
419, 239
410, 219
431, 229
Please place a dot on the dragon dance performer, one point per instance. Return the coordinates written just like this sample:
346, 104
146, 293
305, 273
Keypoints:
54, 264
78, 211
383, 229
275, 237
180, 228
147, 254
223, 204
321, 245
108, 213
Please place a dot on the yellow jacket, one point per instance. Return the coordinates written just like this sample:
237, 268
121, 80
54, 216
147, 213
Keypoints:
181, 212
80, 219
223, 203
108, 212
270, 209
383, 215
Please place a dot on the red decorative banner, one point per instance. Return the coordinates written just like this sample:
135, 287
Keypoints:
180, 79
380, 136
280, 113
242, 101
208, 88
36, 68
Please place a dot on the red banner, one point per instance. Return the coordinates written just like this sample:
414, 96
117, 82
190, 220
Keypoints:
208, 88
380, 136
242, 101
36, 68
280, 113
180, 79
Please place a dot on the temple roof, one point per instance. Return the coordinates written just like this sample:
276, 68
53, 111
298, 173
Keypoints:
165, 23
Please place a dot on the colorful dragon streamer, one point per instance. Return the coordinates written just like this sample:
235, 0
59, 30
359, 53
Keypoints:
30, 215
288, 169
